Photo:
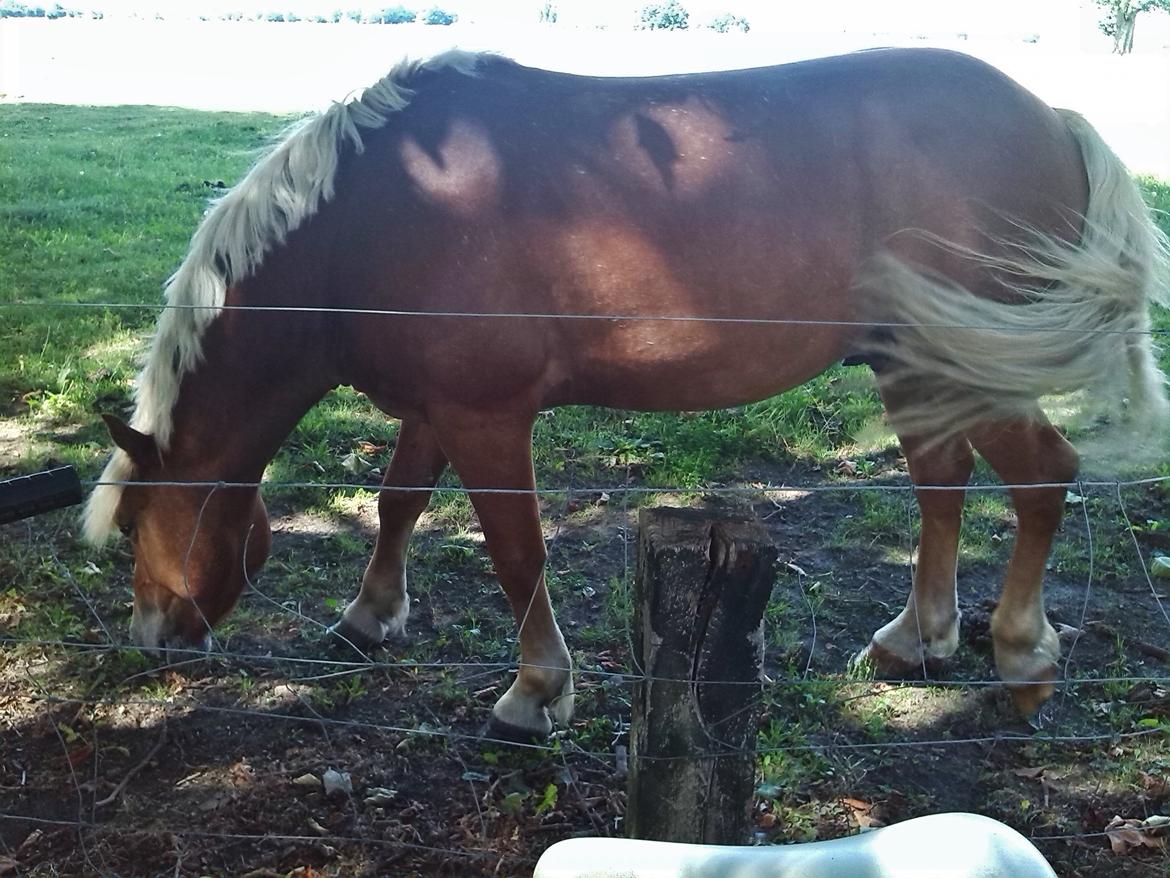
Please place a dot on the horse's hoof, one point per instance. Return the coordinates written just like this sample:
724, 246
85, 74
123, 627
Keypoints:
1028, 698
498, 730
887, 664
344, 634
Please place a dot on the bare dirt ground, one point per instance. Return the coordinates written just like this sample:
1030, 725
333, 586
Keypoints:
214, 767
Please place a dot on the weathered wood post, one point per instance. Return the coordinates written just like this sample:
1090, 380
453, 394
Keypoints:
701, 587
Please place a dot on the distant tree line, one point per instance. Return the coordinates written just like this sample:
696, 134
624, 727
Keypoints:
10, 9
389, 15
672, 15
661, 15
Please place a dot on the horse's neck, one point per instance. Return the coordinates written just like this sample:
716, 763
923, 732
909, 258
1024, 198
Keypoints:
258, 377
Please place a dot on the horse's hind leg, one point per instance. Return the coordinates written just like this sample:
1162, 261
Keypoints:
382, 605
928, 628
1027, 451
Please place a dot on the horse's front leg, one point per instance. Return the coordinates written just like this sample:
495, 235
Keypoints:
382, 605
493, 456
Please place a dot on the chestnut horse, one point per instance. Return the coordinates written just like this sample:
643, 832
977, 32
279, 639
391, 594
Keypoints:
675, 242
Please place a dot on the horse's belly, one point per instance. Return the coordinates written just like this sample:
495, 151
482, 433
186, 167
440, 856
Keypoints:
695, 365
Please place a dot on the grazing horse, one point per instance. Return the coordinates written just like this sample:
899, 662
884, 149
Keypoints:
673, 242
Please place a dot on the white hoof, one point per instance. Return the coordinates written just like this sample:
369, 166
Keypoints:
907, 642
365, 628
518, 716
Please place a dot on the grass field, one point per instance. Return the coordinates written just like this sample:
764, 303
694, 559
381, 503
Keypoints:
97, 206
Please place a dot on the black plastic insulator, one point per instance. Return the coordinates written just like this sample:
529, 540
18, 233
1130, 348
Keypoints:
26, 496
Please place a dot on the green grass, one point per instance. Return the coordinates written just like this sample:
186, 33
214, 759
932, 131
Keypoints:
97, 205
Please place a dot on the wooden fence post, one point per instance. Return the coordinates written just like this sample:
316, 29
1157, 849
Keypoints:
701, 588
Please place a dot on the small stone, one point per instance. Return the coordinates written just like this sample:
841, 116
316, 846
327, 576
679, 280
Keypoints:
337, 783
308, 781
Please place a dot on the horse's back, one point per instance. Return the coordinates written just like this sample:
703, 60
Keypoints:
757, 193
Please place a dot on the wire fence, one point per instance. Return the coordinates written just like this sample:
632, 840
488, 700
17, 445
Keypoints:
93, 822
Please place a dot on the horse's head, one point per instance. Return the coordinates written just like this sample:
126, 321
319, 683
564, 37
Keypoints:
194, 545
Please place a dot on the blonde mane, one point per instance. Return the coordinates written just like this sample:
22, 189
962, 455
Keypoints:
281, 192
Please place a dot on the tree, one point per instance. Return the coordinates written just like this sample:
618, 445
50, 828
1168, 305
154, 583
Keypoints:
1120, 18
670, 15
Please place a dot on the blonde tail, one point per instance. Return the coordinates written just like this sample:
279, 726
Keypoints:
1076, 336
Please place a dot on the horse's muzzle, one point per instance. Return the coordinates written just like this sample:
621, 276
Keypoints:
154, 633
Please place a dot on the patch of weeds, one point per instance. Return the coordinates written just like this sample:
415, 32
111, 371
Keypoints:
881, 519
49, 620
618, 603
595, 734
117, 666
449, 691
343, 691
988, 527
870, 709
562, 583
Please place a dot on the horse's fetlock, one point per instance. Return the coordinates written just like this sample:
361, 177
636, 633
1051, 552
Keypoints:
1025, 649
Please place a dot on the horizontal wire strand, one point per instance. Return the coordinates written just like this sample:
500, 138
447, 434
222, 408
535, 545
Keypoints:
630, 489
535, 315
621, 677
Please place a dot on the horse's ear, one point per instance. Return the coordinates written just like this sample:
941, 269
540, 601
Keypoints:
139, 446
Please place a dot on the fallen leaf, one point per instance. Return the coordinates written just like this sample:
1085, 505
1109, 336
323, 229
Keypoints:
1155, 785
862, 813
847, 468
79, 754
356, 464
1125, 835
242, 774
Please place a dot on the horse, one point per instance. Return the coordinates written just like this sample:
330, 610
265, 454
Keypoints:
471, 241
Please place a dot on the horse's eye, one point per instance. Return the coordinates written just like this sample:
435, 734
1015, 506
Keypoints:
126, 529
